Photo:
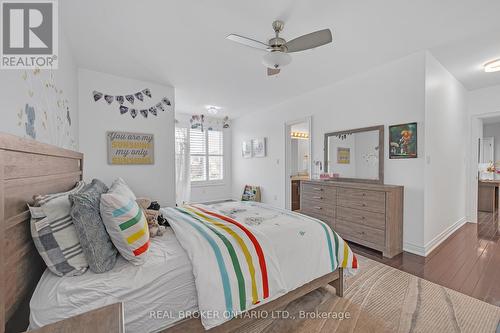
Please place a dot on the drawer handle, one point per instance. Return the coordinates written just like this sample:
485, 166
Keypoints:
362, 217
318, 198
317, 188
318, 207
364, 205
364, 194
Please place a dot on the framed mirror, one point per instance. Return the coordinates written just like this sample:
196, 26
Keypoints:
356, 155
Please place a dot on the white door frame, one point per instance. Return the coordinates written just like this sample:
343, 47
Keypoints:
476, 133
288, 140
490, 139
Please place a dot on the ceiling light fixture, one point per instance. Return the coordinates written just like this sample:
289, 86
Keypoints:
212, 109
492, 66
276, 59
300, 135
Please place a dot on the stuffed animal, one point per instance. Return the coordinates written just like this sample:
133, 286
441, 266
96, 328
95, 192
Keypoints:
152, 216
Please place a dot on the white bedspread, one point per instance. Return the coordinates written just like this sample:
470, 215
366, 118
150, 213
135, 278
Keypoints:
245, 254
152, 294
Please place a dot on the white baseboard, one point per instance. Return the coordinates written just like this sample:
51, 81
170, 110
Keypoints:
425, 250
415, 249
444, 235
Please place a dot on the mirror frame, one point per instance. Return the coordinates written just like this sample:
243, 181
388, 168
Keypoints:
381, 153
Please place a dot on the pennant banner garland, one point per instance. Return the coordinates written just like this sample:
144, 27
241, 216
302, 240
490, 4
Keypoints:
145, 112
162, 105
121, 99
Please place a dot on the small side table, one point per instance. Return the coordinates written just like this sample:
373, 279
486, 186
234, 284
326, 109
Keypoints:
108, 319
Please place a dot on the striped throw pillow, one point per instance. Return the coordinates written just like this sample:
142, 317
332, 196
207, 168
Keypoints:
126, 225
55, 235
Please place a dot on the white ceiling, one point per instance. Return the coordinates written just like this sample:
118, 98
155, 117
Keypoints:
182, 42
465, 58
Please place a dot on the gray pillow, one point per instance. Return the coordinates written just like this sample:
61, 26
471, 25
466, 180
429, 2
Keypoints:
97, 246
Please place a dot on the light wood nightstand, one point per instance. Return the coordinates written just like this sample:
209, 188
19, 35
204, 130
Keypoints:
108, 319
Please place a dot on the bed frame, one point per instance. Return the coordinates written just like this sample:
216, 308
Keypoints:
28, 168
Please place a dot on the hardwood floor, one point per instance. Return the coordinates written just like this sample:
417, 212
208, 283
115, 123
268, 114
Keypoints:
468, 261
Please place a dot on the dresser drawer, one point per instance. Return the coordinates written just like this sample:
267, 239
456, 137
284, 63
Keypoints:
364, 217
373, 201
364, 235
317, 191
322, 207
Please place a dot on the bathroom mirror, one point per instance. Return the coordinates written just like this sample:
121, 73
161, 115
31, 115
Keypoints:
356, 154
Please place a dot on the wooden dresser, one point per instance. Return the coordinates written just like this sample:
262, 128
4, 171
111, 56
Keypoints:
366, 214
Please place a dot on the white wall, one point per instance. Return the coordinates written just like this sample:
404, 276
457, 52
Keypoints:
484, 101
51, 94
445, 142
389, 94
493, 130
96, 118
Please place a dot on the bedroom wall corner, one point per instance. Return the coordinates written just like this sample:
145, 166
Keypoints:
445, 153
156, 181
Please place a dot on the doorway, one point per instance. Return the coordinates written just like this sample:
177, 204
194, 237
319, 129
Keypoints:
298, 148
484, 167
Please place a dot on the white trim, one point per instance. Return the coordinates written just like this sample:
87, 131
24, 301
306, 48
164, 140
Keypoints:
415, 249
472, 174
205, 183
444, 235
424, 251
287, 127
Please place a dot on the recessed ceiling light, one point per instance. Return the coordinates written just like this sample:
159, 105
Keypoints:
212, 109
492, 66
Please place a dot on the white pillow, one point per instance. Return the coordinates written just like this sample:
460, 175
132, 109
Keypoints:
120, 187
55, 235
126, 225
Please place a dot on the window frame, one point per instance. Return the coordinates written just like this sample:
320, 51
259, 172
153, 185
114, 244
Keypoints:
207, 181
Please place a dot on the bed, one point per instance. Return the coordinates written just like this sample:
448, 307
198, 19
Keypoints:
28, 168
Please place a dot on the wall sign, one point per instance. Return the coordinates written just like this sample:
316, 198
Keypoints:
130, 148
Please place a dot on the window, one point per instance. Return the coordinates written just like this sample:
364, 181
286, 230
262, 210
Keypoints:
206, 155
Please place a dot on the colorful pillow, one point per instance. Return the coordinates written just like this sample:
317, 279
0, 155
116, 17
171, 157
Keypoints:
97, 246
120, 187
127, 226
55, 235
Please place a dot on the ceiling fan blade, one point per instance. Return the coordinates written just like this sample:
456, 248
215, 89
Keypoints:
272, 71
309, 41
248, 42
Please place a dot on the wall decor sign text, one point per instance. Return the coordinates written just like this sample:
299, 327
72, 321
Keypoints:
130, 148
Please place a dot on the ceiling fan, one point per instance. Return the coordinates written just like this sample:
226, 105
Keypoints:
278, 48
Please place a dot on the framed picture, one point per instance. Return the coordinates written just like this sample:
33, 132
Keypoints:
246, 149
127, 148
343, 155
259, 147
403, 141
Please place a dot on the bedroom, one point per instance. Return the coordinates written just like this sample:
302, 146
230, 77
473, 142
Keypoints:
156, 103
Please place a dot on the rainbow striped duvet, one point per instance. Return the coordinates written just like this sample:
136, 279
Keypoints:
246, 253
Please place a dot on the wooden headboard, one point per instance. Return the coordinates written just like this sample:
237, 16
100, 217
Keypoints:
27, 168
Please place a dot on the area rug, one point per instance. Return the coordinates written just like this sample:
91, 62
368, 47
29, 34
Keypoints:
383, 299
